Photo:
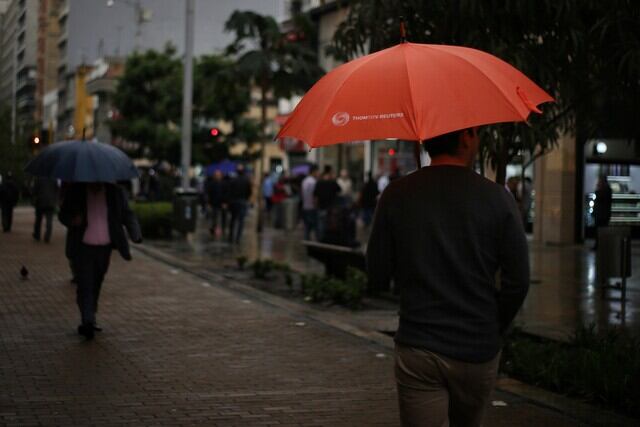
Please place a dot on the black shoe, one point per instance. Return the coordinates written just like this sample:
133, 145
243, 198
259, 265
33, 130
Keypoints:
86, 330
36, 237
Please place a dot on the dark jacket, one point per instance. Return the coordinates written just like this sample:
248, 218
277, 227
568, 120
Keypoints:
45, 193
239, 189
602, 206
442, 234
9, 193
120, 216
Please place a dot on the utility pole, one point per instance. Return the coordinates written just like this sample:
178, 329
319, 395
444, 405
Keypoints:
187, 94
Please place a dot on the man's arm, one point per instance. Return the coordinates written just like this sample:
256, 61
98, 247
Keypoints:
129, 219
514, 266
380, 248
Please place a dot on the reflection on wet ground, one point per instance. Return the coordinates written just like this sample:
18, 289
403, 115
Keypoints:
563, 295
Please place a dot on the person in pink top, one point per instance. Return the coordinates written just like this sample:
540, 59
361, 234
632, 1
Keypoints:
96, 216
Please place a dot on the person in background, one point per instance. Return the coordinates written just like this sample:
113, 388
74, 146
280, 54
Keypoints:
309, 210
525, 190
442, 234
326, 194
602, 205
45, 200
346, 187
9, 195
383, 181
267, 194
239, 193
369, 199
96, 216
217, 199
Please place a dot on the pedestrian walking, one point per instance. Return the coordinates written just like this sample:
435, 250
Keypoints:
96, 215
442, 234
369, 199
346, 187
309, 210
239, 193
267, 194
45, 200
602, 206
9, 195
326, 194
216, 193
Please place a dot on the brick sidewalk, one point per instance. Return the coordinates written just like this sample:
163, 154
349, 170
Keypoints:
180, 351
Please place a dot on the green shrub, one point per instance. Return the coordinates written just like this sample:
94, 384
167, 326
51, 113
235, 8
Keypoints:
348, 292
603, 367
262, 268
242, 261
155, 219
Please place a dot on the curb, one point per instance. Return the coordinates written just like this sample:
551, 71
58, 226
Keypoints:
570, 407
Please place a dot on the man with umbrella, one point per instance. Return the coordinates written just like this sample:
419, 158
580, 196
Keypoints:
95, 211
442, 234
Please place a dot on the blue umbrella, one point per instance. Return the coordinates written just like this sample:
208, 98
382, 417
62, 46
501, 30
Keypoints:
83, 161
225, 166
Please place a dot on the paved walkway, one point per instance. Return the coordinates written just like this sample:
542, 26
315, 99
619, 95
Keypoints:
179, 350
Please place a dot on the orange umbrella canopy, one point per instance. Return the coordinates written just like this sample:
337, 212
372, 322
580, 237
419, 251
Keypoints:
414, 92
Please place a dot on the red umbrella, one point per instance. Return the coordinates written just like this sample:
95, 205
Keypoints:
412, 92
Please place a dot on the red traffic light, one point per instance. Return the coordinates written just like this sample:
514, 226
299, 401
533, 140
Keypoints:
215, 131
392, 152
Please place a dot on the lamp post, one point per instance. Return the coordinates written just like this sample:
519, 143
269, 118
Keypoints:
187, 94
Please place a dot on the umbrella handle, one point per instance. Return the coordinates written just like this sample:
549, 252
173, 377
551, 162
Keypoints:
403, 31
416, 154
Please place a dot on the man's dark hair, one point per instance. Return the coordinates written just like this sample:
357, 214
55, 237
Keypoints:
313, 168
327, 169
443, 144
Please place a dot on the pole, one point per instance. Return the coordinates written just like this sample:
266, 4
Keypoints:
187, 94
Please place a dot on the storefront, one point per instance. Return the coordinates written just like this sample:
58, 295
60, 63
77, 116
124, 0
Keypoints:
619, 161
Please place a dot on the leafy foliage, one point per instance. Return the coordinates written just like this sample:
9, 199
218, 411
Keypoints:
155, 218
586, 54
148, 99
13, 157
348, 292
603, 367
280, 63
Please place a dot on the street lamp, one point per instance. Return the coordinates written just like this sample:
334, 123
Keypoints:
142, 15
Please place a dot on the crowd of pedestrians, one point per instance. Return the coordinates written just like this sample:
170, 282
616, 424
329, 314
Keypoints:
227, 199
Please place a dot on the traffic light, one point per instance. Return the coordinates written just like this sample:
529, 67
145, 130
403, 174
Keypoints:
391, 152
214, 132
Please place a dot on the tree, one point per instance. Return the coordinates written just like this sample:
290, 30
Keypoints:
148, 99
13, 157
279, 63
586, 54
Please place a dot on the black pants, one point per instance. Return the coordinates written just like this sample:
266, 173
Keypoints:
91, 264
47, 213
7, 217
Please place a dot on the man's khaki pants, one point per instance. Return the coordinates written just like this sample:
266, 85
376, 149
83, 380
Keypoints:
436, 391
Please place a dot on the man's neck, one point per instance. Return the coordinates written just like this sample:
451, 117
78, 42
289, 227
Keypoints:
446, 160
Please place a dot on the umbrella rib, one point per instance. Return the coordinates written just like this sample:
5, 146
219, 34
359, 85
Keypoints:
504, 95
413, 104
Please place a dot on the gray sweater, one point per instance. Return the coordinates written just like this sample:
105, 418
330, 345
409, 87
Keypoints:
442, 234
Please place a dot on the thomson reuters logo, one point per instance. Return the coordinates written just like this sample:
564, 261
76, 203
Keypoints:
340, 119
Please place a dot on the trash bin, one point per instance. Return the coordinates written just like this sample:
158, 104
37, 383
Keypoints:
613, 257
289, 213
185, 210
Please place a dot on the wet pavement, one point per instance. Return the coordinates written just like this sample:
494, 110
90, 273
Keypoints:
186, 349
564, 293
